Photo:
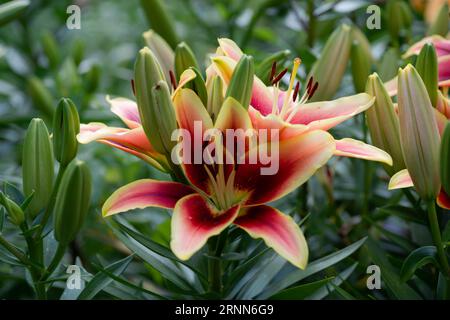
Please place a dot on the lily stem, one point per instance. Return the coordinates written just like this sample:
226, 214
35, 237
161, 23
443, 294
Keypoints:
436, 235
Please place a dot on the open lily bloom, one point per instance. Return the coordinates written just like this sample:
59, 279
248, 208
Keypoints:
271, 107
442, 47
402, 179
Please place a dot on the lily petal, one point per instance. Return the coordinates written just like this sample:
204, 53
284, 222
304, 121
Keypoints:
327, 114
357, 149
133, 141
230, 48
441, 44
444, 70
400, 180
127, 110
194, 221
297, 159
443, 200
441, 121
145, 193
279, 231
187, 76
261, 96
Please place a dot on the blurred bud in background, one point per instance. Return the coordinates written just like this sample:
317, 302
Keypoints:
427, 67
41, 97
398, 19
445, 159
66, 126
37, 166
51, 50
388, 65
439, 24
72, 201
330, 67
360, 66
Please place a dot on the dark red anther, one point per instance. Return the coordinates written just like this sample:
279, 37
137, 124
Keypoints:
296, 90
273, 71
173, 80
308, 86
132, 87
279, 76
313, 90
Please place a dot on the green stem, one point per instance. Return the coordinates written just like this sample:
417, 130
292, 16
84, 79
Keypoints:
55, 261
311, 24
436, 235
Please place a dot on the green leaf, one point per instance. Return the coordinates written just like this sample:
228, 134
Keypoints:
102, 280
336, 282
311, 269
10, 10
416, 260
389, 274
302, 291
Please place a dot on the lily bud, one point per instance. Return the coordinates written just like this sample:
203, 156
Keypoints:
41, 96
66, 126
440, 23
72, 201
166, 119
399, 17
50, 49
418, 133
383, 124
445, 159
162, 51
184, 59
147, 74
216, 98
241, 83
427, 67
360, 65
14, 211
387, 69
37, 166
198, 85
264, 67
330, 67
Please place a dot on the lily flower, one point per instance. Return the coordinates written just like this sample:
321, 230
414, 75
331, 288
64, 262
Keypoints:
442, 47
271, 107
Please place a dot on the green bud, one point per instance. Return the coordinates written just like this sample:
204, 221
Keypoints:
166, 120
440, 23
427, 67
358, 36
418, 133
68, 79
184, 59
160, 21
147, 74
66, 126
11, 10
216, 98
77, 51
388, 66
360, 66
37, 166
41, 97
162, 51
241, 83
50, 49
383, 124
14, 211
198, 85
72, 201
445, 159
330, 67
398, 17
264, 67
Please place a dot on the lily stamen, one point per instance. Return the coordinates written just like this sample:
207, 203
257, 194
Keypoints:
297, 62
173, 80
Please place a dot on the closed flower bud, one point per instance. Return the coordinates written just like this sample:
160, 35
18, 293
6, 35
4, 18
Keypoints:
72, 201
361, 64
215, 97
14, 211
198, 86
37, 166
330, 67
427, 67
41, 97
383, 124
418, 133
166, 120
399, 18
66, 126
445, 159
162, 51
440, 24
147, 74
184, 59
241, 83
